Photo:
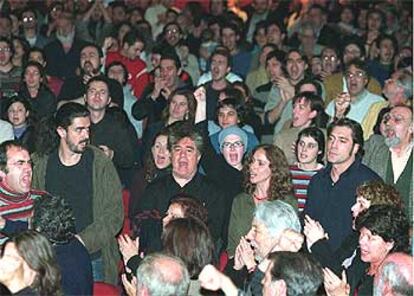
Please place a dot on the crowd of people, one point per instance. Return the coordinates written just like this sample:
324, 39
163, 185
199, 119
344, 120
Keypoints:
163, 147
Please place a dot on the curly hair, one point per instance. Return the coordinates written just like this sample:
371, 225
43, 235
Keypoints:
388, 222
379, 193
280, 180
53, 217
38, 253
190, 206
189, 239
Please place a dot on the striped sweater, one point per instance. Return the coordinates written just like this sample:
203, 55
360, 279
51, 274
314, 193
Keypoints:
16, 207
300, 181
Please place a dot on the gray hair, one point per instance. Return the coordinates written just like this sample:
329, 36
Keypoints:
181, 130
406, 82
277, 216
392, 276
163, 275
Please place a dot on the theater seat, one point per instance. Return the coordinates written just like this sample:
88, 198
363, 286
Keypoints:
104, 289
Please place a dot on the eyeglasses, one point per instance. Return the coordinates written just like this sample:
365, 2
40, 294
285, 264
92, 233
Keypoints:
231, 145
396, 118
329, 58
357, 75
5, 49
172, 31
28, 19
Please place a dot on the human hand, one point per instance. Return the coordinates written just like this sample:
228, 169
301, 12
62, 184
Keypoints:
108, 151
200, 95
244, 255
313, 231
290, 241
159, 84
342, 103
130, 286
335, 286
128, 247
108, 43
210, 278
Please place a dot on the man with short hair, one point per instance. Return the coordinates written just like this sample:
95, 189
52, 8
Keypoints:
355, 103
220, 66
395, 276
331, 192
230, 37
154, 98
107, 132
330, 62
16, 193
129, 55
275, 227
279, 104
307, 109
28, 18
62, 54
160, 274
87, 179
292, 273
10, 76
275, 33
391, 156
398, 90
336, 83
90, 62
186, 146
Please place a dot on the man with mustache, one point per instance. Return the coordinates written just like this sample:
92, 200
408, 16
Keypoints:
391, 157
16, 193
86, 178
90, 62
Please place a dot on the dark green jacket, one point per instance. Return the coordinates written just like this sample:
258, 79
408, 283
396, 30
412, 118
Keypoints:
107, 210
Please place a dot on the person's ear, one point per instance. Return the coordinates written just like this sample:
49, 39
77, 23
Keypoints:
313, 114
280, 287
61, 132
356, 148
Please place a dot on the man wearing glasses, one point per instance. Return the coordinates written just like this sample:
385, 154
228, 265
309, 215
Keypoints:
16, 194
30, 32
10, 76
355, 103
391, 155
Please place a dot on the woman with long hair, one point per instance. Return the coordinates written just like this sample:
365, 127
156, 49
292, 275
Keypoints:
28, 266
267, 178
34, 89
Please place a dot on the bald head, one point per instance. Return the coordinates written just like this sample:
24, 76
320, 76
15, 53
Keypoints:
395, 276
160, 275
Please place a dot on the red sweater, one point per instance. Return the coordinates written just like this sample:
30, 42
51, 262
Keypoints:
138, 76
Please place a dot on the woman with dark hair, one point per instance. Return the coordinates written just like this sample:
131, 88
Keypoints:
18, 114
21, 48
53, 217
267, 178
181, 106
310, 152
383, 229
189, 239
156, 163
34, 89
185, 206
28, 266
367, 195
231, 111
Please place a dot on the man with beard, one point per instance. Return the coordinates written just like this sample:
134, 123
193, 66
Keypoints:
86, 178
62, 54
331, 192
391, 157
90, 62
16, 193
